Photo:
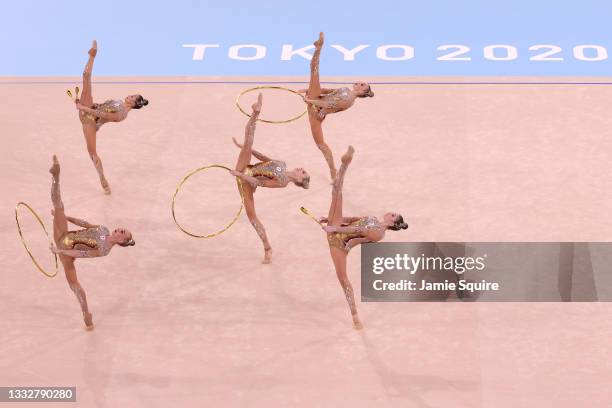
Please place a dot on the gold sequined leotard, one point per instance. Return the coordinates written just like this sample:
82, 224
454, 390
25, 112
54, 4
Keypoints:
109, 106
333, 100
341, 239
95, 238
273, 170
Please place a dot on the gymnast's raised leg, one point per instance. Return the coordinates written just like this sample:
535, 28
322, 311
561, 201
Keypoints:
314, 91
339, 255
60, 227
90, 128
244, 159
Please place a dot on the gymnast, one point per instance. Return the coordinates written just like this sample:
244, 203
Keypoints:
93, 115
91, 241
267, 173
344, 233
323, 101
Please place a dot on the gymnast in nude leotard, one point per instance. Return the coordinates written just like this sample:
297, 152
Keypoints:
94, 115
324, 101
267, 173
89, 242
344, 233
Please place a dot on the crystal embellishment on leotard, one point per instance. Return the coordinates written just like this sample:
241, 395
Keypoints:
333, 100
273, 170
341, 239
338, 95
108, 106
95, 238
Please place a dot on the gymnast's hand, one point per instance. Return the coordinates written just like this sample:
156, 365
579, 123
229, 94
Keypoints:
302, 91
54, 250
322, 220
235, 173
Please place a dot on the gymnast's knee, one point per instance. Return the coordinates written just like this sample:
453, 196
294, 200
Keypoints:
94, 157
252, 219
344, 282
323, 147
74, 285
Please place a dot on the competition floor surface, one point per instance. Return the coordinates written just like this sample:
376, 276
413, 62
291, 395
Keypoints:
188, 322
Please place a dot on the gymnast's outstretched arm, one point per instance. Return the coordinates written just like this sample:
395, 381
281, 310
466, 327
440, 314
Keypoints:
356, 241
258, 155
318, 102
347, 230
324, 91
345, 220
77, 221
80, 223
255, 182
75, 253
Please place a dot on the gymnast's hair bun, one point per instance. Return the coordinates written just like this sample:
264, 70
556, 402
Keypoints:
368, 93
140, 102
399, 224
128, 243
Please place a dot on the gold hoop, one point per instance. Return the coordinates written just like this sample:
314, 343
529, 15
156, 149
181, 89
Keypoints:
269, 87
228, 225
25, 245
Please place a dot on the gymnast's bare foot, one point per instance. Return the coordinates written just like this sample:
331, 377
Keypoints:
319, 42
55, 167
257, 105
88, 318
348, 156
93, 51
267, 257
105, 186
357, 325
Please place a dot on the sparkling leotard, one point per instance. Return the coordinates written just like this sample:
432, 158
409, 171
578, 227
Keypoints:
95, 238
109, 106
333, 100
341, 239
273, 170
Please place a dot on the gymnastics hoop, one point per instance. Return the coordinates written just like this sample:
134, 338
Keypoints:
221, 231
25, 245
269, 87
311, 215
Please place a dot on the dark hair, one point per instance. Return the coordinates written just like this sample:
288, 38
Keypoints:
368, 93
129, 242
140, 102
399, 224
